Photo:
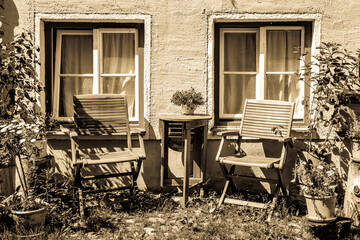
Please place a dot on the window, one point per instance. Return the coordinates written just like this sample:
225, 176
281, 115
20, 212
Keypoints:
101, 60
259, 61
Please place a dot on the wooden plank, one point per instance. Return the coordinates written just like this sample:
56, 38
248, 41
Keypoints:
245, 203
178, 182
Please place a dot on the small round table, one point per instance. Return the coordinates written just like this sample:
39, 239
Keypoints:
188, 123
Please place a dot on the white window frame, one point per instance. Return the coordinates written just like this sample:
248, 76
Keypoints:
97, 66
260, 65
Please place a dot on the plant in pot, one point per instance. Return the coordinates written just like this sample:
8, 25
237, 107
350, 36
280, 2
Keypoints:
20, 124
318, 185
335, 85
189, 100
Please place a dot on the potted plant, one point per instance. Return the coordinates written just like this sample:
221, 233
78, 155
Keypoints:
189, 100
335, 85
21, 126
318, 185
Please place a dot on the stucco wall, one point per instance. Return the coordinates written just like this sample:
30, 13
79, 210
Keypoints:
179, 47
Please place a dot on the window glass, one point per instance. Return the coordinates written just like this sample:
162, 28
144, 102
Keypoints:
240, 51
237, 88
76, 60
76, 54
70, 86
283, 52
118, 53
122, 85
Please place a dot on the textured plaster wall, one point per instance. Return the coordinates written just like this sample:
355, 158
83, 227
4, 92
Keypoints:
179, 46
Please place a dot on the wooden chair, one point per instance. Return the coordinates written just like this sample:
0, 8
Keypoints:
262, 119
103, 114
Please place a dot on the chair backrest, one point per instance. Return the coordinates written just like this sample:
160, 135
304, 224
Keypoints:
101, 114
261, 117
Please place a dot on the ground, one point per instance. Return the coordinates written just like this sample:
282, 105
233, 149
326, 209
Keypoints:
160, 216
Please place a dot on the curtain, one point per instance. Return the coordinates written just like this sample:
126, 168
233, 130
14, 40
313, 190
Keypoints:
283, 51
119, 57
76, 58
239, 56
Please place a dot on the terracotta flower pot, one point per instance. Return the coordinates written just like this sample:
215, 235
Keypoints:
187, 110
320, 209
29, 219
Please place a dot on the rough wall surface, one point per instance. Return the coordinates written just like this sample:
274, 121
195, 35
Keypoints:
179, 35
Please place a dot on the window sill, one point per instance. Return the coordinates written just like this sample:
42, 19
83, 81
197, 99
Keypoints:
62, 134
296, 131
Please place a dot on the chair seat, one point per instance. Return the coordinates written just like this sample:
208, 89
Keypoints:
250, 161
109, 158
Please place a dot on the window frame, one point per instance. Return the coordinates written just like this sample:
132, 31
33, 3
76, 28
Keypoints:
260, 67
97, 66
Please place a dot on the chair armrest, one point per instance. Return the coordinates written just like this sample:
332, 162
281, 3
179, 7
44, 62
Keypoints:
142, 146
140, 131
284, 140
74, 144
228, 133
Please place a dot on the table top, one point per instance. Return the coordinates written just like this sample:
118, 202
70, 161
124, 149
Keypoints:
183, 118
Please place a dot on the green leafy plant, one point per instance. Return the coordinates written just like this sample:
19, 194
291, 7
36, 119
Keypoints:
20, 124
317, 180
336, 84
189, 98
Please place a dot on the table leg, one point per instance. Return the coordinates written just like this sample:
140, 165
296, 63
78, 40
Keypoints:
186, 167
203, 159
164, 152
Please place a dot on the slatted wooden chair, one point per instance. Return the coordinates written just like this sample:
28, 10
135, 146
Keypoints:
103, 114
265, 120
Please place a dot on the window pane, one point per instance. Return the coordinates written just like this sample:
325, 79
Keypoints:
77, 54
285, 87
124, 85
70, 86
283, 50
118, 53
237, 88
240, 51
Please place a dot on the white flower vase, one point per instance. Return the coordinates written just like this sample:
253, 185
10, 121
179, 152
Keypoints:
187, 110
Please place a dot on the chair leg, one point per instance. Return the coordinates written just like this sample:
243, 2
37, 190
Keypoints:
81, 202
282, 186
232, 184
229, 182
136, 171
226, 174
273, 203
222, 198
133, 179
77, 183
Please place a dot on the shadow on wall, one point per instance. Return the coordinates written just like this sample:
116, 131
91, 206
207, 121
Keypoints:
10, 19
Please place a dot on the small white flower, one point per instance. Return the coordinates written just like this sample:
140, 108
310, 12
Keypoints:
22, 140
33, 140
320, 167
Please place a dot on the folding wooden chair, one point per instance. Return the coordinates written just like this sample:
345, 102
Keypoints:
104, 114
262, 119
